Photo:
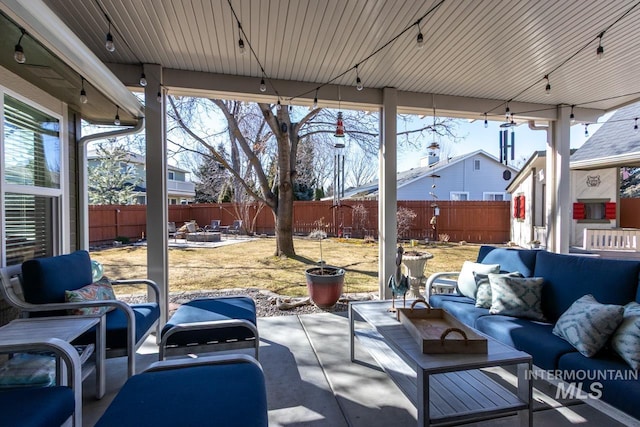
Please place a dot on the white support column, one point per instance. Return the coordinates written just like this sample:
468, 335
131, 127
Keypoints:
156, 169
388, 190
560, 203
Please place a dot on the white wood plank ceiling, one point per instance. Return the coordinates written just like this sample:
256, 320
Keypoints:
492, 49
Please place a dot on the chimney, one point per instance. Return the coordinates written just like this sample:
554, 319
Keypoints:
429, 160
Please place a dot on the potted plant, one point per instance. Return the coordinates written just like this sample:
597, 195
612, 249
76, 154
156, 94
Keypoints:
535, 244
324, 282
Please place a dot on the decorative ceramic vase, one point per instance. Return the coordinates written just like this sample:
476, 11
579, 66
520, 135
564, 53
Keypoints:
325, 285
415, 262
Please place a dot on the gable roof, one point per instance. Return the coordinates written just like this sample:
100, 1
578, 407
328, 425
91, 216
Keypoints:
614, 144
407, 177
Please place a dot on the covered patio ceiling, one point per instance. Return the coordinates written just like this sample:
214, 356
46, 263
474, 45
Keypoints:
477, 55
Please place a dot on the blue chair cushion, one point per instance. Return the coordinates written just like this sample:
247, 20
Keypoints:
230, 395
462, 308
212, 309
437, 300
510, 259
529, 336
116, 325
36, 406
46, 279
568, 278
623, 391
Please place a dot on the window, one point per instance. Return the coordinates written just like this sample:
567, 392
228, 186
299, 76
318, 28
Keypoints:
594, 211
493, 196
172, 175
459, 196
476, 165
32, 190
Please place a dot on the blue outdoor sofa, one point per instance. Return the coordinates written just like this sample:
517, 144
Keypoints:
566, 279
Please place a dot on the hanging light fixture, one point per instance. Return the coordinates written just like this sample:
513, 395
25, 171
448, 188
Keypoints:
586, 130
507, 112
547, 88
83, 93
486, 122
278, 105
116, 121
419, 37
18, 52
572, 117
109, 45
635, 125
241, 47
263, 85
600, 49
159, 95
359, 85
143, 78
315, 100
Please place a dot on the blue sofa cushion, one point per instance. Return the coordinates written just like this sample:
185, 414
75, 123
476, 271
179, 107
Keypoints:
212, 309
529, 336
622, 391
568, 277
230, 395
510, 259
116, 325
46, 279
36, 407
437, 300
464, 310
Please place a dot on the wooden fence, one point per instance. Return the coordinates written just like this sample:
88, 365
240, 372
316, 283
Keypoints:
474, 222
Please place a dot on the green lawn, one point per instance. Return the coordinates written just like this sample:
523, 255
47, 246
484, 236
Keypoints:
252, 264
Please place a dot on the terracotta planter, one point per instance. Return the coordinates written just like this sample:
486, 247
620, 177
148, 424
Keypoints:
325, 289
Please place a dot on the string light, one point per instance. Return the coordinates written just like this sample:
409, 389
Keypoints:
159, 95
572, 117
600, 49
263, 85
315, 100
240, 41
18, 52
143, 78
109, 45
486, 122
507, 112
635, 125
420, 37
83, 93
547, 88
116, 121
586, 130
278, 105
358, 81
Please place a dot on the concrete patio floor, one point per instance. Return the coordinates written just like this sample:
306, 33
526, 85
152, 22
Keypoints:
311, 382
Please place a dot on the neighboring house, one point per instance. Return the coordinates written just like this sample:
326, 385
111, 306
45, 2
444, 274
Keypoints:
473, 176
179, 189
595, 183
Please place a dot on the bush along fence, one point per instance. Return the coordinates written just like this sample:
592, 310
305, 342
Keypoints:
473, 222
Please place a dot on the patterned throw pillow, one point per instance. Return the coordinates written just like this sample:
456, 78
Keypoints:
515, 296
626, 339
587, 324
98, 291
466, 282
483, 288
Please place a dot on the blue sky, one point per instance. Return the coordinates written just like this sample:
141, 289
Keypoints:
476, 137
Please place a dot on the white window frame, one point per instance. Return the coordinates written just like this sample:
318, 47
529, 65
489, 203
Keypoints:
485, 194
458, 193
60, 232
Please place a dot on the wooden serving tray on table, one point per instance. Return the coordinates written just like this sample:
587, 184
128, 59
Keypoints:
438, 332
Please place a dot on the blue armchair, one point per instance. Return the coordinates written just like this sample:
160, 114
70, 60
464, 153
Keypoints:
37, 288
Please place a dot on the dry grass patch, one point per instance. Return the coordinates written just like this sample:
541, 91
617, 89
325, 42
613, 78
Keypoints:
251, 264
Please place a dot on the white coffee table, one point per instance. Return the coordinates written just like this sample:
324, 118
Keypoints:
445, 388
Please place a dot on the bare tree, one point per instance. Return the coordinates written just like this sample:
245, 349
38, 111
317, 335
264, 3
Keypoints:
363, 168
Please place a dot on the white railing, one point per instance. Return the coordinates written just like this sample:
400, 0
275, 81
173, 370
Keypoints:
616, 239
185, 186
